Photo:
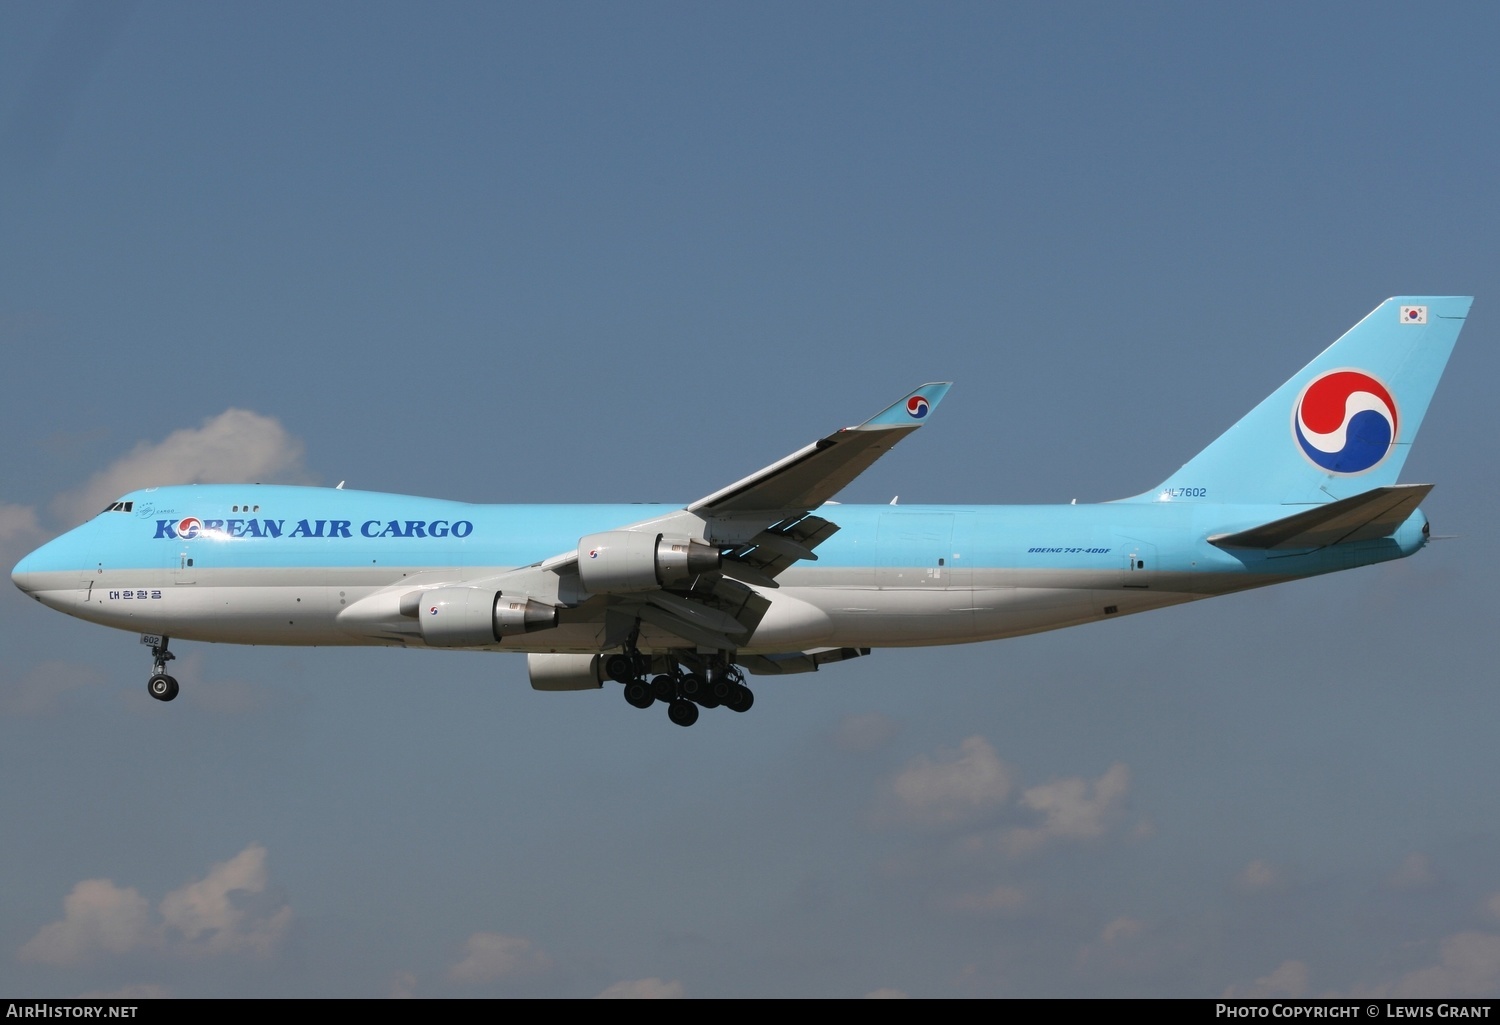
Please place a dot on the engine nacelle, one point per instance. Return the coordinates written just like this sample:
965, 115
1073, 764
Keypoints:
622, 561
565, 672
473, 617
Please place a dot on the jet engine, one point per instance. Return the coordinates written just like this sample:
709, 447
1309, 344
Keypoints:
565, 672
622, 561
472, 617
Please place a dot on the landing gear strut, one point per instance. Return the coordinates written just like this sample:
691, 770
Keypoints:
161, 686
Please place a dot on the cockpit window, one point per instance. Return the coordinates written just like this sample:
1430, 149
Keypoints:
118, 507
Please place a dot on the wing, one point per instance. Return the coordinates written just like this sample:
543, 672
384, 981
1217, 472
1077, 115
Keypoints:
693, 573
763, 523
811, 476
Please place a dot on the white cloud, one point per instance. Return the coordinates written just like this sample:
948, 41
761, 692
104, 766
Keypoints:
41, 689
490, 956
998, 901
203, 917
19, 532
1125, 947
235, 446
98, 917
208, 917
1415, 873
1468, 967
1072, 809
1290, 979
867, 732
1492, 904
643, 989
954, 788
1260, 877
18, 522
132, 991
1122, 928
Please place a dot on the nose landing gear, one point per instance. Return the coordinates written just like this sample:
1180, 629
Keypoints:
161, 686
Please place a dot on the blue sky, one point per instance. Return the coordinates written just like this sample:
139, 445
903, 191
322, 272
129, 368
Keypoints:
592, 252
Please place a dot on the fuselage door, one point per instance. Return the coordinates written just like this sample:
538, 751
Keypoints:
1140, 560
917, 551
185, 571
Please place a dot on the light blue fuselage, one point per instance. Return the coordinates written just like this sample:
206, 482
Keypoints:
265, 564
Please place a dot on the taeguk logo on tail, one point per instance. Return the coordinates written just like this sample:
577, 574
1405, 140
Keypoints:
917, 407
1345, 421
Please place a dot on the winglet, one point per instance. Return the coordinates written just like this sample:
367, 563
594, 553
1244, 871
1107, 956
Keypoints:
812, 475
910, 411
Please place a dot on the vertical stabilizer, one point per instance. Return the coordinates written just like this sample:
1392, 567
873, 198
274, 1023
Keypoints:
1342, 425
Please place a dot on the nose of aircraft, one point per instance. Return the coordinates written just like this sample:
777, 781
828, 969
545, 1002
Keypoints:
43, 569
26, 574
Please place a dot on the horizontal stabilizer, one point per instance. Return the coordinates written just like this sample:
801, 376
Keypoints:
1367, 517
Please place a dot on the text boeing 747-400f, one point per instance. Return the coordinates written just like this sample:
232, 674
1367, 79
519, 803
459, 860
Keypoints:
768, 575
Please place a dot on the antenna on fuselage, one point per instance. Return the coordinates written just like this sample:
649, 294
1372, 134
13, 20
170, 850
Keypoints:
339, 486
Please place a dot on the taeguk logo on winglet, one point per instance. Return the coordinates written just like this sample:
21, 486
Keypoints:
1345, 421
917, 407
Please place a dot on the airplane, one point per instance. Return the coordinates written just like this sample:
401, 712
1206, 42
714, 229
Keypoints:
770, 575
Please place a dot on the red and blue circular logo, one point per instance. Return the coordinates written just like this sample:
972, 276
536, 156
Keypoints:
188, 528
917, 407
1345, 421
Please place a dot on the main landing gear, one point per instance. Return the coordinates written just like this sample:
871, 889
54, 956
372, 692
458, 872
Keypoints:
708, 683
161, 686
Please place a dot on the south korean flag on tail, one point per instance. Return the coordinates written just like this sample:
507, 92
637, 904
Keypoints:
1413, 314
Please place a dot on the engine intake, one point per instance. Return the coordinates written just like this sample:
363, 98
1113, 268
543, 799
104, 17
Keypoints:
622, 561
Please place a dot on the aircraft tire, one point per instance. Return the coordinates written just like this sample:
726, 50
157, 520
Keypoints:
683, 713
638, 693
620, 668
740, 698
664, 688
162, 687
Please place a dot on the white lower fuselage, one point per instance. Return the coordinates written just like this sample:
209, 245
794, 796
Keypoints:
892, 576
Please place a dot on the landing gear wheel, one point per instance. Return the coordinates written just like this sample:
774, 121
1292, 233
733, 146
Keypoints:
683, 713
162, 687
740, 698
693, 687
638, 693
620, 668
664, 688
